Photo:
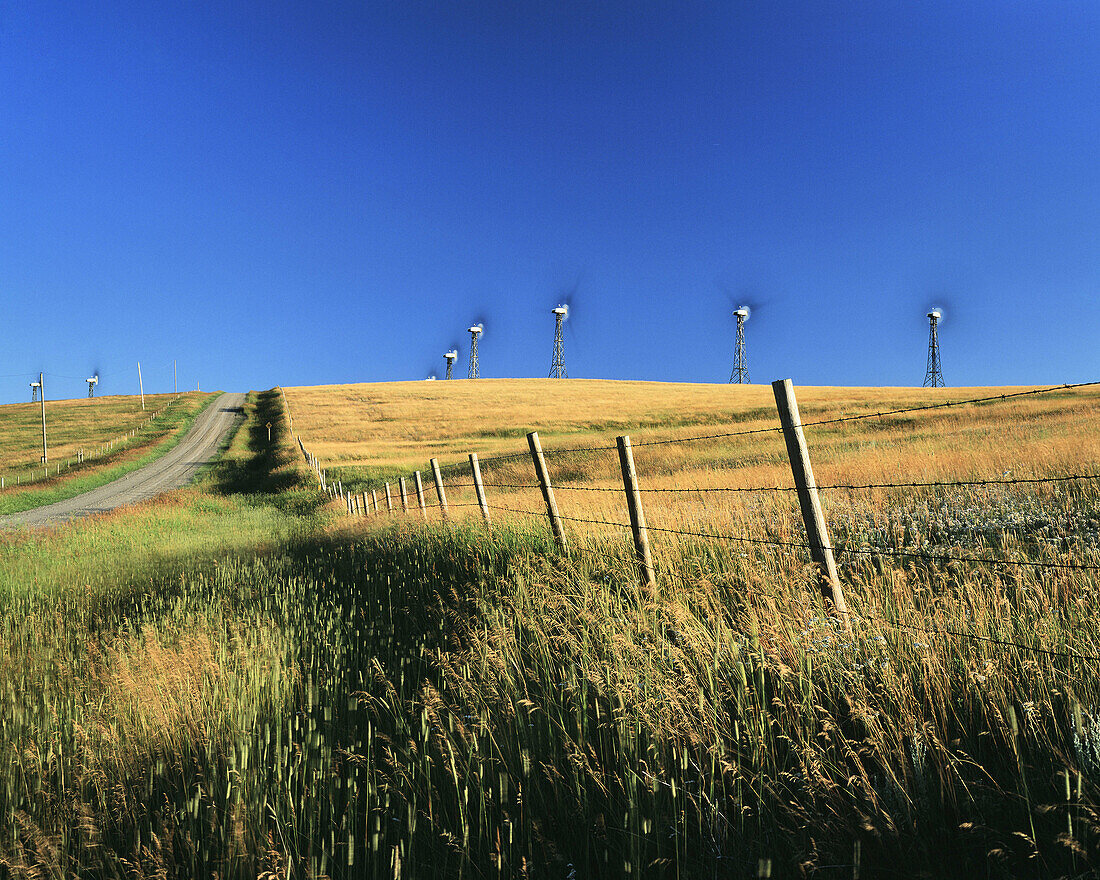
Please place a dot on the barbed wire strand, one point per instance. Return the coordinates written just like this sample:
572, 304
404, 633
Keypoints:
1072, 655
950, 403
975, 636
886, 551
873, 551
705, 489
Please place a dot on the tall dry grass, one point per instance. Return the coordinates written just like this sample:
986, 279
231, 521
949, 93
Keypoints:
300, 695
959, 676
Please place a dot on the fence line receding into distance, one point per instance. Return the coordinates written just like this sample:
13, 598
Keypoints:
820, 548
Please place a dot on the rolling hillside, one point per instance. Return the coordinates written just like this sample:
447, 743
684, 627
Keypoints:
241, 680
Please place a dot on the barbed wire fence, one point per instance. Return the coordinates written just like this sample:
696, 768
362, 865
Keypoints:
821, 550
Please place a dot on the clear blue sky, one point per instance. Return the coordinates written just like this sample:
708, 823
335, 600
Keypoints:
347, 186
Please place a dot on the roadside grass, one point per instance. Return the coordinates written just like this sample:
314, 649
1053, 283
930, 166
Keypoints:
149, 443
120, 549
131, 669
286, 692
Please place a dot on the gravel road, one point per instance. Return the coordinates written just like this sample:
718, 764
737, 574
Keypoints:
174, 469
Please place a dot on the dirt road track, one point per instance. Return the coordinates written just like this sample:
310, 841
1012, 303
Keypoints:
171, 471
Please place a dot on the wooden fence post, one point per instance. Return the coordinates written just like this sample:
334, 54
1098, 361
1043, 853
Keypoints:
475, 468
366, 504
821, 551
389, 500
420, 495
404, 495
547, 490
439, 487
374, 500
637, 516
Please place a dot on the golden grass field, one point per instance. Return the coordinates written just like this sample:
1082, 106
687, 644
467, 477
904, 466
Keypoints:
70, 425
239, 680
964, 674
369, 434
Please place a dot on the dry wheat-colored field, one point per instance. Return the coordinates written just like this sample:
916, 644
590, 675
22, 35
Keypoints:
972, 607
369, 434
253, 684
70, 425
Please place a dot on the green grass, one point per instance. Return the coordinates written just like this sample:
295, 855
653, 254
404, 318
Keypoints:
443, 701
150, 443
238, 682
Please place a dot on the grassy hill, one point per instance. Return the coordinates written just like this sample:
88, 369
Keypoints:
116, 436
83, 423
239, 680
366, 435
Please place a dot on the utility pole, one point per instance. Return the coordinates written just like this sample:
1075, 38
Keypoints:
141, 388
42, 397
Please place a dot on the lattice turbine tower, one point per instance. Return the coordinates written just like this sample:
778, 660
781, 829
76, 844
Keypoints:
933, 375
475, 332
557, 365
451, 357
92, 382
740, 374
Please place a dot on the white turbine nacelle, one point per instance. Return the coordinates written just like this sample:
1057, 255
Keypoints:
561, 310
742, 314
93, 381
451, 355
476, 329
935, 314
430, 379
